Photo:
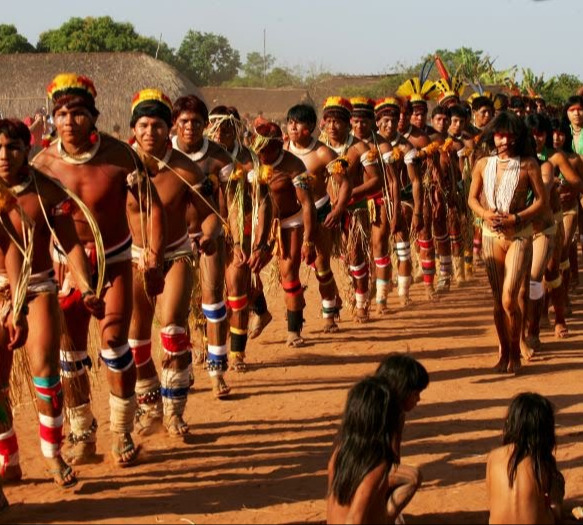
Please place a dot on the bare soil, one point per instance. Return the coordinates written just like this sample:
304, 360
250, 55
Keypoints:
260, 456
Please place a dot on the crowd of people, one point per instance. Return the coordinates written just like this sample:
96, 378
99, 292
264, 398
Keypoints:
181, 220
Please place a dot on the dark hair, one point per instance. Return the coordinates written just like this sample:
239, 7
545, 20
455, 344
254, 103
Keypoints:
364, 441
541, 123
508, 122
516, 102
458, 111
440, 110
77, 99
571, 101
303, 113
152, 109
559, 125
482, 102
530, 427
404, 375
15, 129
190, 103
273, 131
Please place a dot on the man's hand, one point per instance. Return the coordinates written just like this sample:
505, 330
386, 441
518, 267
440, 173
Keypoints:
308, 252
333, 218
17, 332
239, 256
94, 304
417, 222
259, 259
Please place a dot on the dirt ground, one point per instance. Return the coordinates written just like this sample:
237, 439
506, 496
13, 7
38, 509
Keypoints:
260, 457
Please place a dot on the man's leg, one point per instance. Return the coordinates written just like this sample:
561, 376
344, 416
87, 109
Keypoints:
382, 257
457, 247
238, 281
554, 282
443, 247
118, 358
9, 456
75, 380
43, 353
174, 306
569, 228
326, 282
212, 273
403, 249
289, 269
149, 413
358, 248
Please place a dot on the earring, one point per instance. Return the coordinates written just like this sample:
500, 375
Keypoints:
94, 137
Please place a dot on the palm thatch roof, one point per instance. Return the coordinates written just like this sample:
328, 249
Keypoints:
117, 76
273, 102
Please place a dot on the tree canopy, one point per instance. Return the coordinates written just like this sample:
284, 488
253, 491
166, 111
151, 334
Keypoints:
12, 42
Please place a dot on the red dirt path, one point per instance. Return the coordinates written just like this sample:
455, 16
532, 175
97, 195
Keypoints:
260, 457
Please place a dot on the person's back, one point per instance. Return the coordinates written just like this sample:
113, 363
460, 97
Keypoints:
524, 501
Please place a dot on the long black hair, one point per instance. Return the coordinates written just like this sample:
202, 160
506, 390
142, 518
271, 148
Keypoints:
530, 427
541, 123
508, 122
365, 437
571, 101
404, 375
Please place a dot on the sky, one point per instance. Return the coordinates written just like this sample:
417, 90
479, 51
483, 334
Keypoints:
354, 37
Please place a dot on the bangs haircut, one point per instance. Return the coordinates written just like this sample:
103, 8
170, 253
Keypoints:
15, 129
152, 109
542, 124
190, 103
508, 122
304, 114
440, 110
482, 102
75, 101
404, 375
458, 111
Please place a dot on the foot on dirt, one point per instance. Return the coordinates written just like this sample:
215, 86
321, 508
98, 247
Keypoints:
257, 324
526, 351
237, 362
295, 340
501, 366
62, 473
443, 286
405, 301
514, 366
330, 327
176, 426
561, 331
430, 293
220, 389
82, 453
382, 308
533, 341
148, 421
124, 451
11, 474
361, 315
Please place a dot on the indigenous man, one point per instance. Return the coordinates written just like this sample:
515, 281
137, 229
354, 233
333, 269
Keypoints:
190, 118
401, 161
45, 203
365, 172
106, 175
382, 204
249, 215
177, 180
505, 178
482, 113
295, 219
321, 162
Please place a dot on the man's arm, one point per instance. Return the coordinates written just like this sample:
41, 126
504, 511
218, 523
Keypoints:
372, 182
561, 161
306, 200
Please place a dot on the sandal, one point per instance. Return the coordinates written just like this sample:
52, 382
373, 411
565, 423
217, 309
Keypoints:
220, 389
63, 474
237, 362
295, 340
176, 426
257, 324
125, 453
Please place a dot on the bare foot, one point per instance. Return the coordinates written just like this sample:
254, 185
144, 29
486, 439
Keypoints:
361, 315
330, 326
526, 351
176, 426
382, 308
62, 473
430, 293
561, 331
124, 451
501, 366
514, 365
405, 300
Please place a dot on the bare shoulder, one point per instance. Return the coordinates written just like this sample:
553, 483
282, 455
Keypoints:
218, 153
119, 152
293, 164
186, 167
50, 188
325, 153
480, 164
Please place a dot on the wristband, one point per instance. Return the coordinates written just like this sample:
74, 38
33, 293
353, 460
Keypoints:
86, 293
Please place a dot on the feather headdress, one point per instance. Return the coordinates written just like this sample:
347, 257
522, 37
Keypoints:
419, 89
448, 86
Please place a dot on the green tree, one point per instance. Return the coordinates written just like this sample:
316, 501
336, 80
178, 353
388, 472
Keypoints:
12, 42
100, 34
563, 87
208, 58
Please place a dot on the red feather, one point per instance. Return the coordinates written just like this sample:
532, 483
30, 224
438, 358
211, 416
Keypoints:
441, 68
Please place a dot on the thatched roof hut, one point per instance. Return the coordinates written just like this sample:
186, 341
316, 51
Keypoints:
273, 102
117, 77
